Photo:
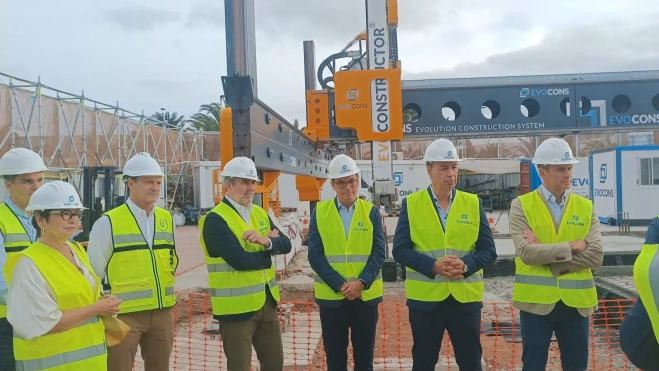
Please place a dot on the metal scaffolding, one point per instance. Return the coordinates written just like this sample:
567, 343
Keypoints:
73, 131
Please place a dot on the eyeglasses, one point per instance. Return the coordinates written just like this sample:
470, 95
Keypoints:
343, 184
68, 214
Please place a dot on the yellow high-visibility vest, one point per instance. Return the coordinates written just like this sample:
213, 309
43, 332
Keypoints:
15, 236
646, 278
346, 256
142, 277
79, 348
457, 238
535, 284
233, 291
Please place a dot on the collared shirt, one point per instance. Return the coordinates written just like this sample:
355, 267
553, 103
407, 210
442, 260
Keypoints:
556, 207
442, 213
100, 245
26, 221
346, 214
244, 212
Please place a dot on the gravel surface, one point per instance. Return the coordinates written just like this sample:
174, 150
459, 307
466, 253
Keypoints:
501, 287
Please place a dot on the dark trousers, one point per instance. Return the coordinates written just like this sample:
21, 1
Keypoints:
572, 333
464, 329
362, 320
7, 362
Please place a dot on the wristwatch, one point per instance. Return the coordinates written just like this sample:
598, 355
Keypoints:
465, 269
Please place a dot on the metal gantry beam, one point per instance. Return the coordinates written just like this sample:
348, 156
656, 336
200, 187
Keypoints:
258, 131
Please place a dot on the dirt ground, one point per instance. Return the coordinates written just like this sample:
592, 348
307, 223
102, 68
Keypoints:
394, 339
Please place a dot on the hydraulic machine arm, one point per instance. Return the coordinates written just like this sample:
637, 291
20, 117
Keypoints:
361, 103
250, 128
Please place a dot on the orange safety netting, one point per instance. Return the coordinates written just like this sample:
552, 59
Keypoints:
199, 347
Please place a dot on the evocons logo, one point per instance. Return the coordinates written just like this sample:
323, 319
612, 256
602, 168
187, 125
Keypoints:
464, 219
575, 221
603, 173
360, 227
525, 92
398, 179
353, 94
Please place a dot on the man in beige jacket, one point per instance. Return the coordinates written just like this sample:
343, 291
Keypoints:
557, 242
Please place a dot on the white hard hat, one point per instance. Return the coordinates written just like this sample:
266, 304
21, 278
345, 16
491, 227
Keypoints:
441, 150
19, 161
554, 151
240, 167
142, 164
55, 195
342, 166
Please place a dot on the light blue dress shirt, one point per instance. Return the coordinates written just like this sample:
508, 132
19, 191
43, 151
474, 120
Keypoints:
556, 207
26, 221
346, 216
442, 213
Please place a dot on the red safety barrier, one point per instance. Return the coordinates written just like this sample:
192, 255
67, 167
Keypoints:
198, 345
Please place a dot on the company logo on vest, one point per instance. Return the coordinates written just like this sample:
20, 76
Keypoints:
360, 227
464, 219
575, 221
162, 225
262, 227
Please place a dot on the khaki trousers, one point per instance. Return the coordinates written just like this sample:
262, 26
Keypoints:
262, 331
153, 330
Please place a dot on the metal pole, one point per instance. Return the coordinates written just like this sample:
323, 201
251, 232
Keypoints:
41, 133
84, 130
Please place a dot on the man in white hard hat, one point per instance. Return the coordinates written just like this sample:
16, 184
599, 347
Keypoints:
444, 240
557, 242
22, 170
238, 239
347, 252
132, 248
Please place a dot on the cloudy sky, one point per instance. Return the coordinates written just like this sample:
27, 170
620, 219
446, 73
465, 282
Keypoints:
152, 54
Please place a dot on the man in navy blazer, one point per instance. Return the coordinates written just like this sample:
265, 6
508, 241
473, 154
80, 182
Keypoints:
346, 252
444, 239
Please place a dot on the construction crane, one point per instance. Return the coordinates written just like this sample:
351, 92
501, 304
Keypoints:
360, 102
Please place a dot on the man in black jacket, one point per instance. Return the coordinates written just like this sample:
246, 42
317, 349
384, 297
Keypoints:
239, 239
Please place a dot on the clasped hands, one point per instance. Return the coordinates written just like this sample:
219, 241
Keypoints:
450, 267
254, 237
352, 290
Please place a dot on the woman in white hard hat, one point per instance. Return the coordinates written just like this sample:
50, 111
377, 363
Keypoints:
54, 300
22, 170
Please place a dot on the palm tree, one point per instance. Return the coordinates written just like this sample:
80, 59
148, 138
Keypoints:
208, 117
172, 121
525, 148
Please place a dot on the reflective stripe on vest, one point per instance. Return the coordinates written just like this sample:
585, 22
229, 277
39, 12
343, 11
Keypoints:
536, 284
347, 256
457, 238
142, 277
233, 291
16, 238
646, 279
81, 347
